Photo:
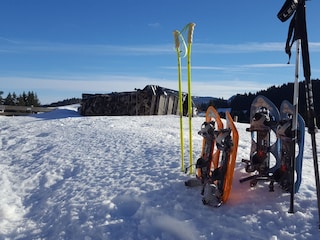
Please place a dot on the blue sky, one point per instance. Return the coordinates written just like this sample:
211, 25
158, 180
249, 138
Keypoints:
62, 48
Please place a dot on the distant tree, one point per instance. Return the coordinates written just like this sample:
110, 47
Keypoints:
9, 100
216, 103
32, 99
1, 99
202, 107
24, 99
241, 103
64, 102
14, 98
219, 103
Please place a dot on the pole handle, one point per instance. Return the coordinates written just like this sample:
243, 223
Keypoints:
176, 38
190, 34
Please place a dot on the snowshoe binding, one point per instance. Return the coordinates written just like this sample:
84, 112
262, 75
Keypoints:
264, 117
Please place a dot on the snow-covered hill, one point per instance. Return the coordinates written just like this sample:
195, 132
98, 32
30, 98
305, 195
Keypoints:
64, 176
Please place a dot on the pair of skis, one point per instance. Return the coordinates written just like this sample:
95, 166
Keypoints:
215, 167
177, 37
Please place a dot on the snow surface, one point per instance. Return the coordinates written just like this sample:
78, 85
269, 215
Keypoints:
64, 176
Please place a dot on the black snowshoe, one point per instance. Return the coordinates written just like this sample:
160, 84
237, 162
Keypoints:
264, 118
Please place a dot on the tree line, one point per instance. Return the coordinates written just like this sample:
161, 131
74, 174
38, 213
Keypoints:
29, 98
240, 104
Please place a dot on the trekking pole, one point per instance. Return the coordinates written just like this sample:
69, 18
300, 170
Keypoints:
312, 125
176, 34
294, 128
299, 27
190, 112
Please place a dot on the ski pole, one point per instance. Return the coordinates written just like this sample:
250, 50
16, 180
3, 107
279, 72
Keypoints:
176, 34
294, 125
299, 27
312, 125
190, 37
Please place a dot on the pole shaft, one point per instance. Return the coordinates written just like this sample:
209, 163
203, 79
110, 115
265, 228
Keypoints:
190, 107
311, 116
294, 126
176, 34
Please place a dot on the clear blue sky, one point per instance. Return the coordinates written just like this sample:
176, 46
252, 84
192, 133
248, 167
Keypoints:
62, 48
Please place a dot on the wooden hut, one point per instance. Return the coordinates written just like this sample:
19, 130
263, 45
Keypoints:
152, 100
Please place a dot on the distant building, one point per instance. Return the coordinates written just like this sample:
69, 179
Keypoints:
152, 100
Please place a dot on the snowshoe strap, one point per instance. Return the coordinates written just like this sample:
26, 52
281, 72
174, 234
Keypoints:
284, 129
207, 129
224, 141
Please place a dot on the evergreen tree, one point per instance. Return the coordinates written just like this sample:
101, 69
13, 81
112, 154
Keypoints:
24, 99
14, 98
9, 100
1, 99
32, 99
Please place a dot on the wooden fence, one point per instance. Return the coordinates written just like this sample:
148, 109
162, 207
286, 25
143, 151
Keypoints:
8, 110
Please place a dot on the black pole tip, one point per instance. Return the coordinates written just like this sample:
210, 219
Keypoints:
292, 212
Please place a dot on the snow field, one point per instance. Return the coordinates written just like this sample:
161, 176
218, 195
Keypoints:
64, 176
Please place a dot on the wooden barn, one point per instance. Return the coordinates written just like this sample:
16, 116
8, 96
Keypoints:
152, 100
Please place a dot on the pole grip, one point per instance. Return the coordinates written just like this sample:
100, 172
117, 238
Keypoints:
190, 34
287, 10
176, 38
